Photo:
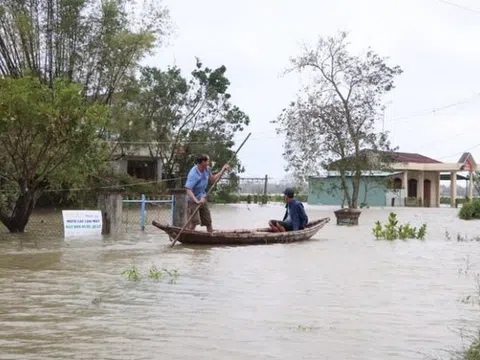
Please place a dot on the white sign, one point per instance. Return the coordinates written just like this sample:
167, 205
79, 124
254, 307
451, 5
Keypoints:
82, 222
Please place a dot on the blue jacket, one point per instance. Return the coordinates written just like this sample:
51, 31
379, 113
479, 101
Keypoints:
297, 214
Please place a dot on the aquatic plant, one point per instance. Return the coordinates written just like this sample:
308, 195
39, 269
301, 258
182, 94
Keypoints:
473, 351
465, 238
173, 275
464, 270
303, 328
392, 231
447, 235
154, 273
131, 274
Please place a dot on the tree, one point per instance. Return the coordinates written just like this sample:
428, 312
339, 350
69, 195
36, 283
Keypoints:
476, 182
178, 118
91, 50
298, 183
48, 137
332, 121
92, 42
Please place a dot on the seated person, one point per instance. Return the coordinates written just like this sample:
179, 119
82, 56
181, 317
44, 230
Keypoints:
295, 217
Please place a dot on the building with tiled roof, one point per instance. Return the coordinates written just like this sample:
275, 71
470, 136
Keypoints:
411, 180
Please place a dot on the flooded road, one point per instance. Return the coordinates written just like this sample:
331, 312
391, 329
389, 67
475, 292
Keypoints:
342, 295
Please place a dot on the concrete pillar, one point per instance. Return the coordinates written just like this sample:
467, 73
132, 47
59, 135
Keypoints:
110, 203
159, 167
420, 188
470, 186
120, 166
438, 189
453, 188
179, 207
405, 186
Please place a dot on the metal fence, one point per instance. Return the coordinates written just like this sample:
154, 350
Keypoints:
137, 215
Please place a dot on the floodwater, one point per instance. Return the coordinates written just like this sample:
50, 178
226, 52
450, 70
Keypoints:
342, 295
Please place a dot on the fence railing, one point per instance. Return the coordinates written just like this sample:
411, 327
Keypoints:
142, 211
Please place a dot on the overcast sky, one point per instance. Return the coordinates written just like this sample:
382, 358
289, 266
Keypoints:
435, 43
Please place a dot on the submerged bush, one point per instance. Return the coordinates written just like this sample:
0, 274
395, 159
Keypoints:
392, 231
473, 351
470, 210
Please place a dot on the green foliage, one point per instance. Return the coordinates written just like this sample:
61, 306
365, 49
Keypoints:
131, 274
377, 230
154, 273
173, 275
470, 210
177, 118
59, 60
304, 328
92, 42
473, 351
392, 231
459, 201
476, 182
48, 138
225, 191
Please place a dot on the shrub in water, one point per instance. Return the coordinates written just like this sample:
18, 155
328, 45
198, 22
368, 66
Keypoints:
392, 231
131, 274
470, 210
473, 352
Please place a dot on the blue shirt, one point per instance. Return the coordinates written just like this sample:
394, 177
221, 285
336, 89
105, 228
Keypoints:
296, 215
197, 181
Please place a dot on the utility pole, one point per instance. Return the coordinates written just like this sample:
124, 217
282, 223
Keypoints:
265, 190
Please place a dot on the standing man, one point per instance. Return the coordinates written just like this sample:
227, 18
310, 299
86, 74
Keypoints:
295, 217
196, 186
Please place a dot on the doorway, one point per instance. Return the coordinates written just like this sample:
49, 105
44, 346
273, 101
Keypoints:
412, 188
427, 187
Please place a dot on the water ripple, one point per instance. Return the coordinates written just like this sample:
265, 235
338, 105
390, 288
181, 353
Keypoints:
342, 295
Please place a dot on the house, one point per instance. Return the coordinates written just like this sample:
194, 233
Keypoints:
138, 162
411, 180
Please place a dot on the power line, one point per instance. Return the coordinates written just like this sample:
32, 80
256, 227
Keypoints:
460, 6
186, 142
116, 186
396, 119
435, 110
460, 153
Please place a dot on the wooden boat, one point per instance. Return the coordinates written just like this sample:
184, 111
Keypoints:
242, 237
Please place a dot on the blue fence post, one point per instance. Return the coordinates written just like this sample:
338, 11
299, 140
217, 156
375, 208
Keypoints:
172, 209
142, 213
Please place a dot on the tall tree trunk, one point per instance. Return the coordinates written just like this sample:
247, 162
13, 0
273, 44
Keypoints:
345, 189
50, 48
355, 192
18, 220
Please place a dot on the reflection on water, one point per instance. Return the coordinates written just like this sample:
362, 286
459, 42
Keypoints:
341, 295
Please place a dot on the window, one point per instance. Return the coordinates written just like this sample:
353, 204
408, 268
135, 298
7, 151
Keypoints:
397, 183
142, 169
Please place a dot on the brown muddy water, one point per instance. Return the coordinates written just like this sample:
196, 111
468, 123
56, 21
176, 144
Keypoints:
342, 295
